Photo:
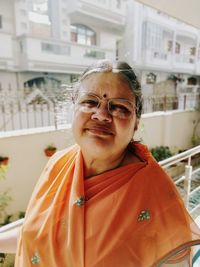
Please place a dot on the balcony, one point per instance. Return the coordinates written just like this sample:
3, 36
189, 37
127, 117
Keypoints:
51, 56
25, 145
165, 60
154, 58
198, 64
106, 13
184, 62
6, 52
53, 109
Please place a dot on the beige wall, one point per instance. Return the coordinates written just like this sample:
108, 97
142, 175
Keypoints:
27, 158
173, 129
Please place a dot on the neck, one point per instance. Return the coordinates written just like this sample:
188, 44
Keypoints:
94, 166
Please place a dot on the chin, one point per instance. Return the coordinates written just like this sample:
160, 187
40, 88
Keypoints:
98, 145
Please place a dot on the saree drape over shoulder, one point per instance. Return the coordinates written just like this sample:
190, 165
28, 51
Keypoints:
131, 216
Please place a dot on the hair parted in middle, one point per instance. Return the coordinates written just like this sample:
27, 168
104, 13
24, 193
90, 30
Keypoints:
119, 67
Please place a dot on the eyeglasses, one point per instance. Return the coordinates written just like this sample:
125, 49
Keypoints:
117, 107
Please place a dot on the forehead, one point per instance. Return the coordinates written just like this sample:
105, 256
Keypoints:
111, 84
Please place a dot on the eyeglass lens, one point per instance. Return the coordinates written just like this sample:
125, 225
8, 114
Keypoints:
117, 107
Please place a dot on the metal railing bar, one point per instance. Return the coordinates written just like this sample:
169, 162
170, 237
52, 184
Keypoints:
11, 225
181, 156
195, 171
182, 178
195, 208
164, 164
194, 191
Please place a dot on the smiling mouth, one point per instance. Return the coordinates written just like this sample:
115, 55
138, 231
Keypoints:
99, 131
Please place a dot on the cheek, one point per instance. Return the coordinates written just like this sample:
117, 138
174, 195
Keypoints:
75, 123
127, 129
78, 122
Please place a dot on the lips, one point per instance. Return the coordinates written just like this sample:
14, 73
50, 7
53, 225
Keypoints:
102, 130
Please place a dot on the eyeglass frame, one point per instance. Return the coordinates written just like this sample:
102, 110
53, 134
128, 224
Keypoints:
100, 99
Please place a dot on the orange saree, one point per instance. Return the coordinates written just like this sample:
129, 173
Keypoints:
131, 216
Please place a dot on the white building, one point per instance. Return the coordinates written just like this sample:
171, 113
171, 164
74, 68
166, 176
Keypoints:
160, 46
52, 41
48, 42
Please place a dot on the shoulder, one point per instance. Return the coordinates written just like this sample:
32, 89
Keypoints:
141, 151
153, 171
55, 165
60, 159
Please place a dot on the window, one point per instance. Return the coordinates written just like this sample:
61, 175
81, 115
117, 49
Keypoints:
178, 48
154, 36
192, 51
82, 34
192, 81
23, 12
55, 49
40, 7
169, 46
1, 26
119, 4
94, 54
150, 78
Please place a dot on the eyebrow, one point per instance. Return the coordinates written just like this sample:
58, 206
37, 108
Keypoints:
91, 93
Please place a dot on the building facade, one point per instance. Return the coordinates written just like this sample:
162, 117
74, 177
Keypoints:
51, 42
161, 48
46, 43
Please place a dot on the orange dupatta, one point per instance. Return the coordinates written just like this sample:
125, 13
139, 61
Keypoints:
127, 217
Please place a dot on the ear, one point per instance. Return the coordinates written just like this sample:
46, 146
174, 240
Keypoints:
136, 125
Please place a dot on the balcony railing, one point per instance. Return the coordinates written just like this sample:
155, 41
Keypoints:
166, 103
98, 9
58, 55
187, 178
186, 59
56, 109
190, 188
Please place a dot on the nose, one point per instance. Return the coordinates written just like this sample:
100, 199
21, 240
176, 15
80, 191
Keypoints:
102, 113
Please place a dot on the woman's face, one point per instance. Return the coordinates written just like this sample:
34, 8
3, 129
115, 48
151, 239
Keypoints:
99, 133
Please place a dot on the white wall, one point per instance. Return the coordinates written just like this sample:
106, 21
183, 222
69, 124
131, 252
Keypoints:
27, 157
8, 79
172, 128
6, 10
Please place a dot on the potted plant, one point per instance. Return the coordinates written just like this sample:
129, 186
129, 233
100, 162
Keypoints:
50, 150
4, 160
161, 152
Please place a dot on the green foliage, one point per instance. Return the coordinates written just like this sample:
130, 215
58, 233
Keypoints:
195, 140
3, 171
7, 260
161, 152
51, 147
4, 202
3, 158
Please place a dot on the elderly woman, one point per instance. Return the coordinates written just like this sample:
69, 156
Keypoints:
105, 202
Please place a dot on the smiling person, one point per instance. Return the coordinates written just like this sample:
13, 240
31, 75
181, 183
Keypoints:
105, 202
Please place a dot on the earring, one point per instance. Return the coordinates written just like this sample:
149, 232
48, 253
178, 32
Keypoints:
131, 141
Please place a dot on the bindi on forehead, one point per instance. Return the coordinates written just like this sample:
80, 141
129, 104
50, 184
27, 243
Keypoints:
104, 95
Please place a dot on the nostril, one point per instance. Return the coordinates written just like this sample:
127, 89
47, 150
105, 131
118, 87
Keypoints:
102, 115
